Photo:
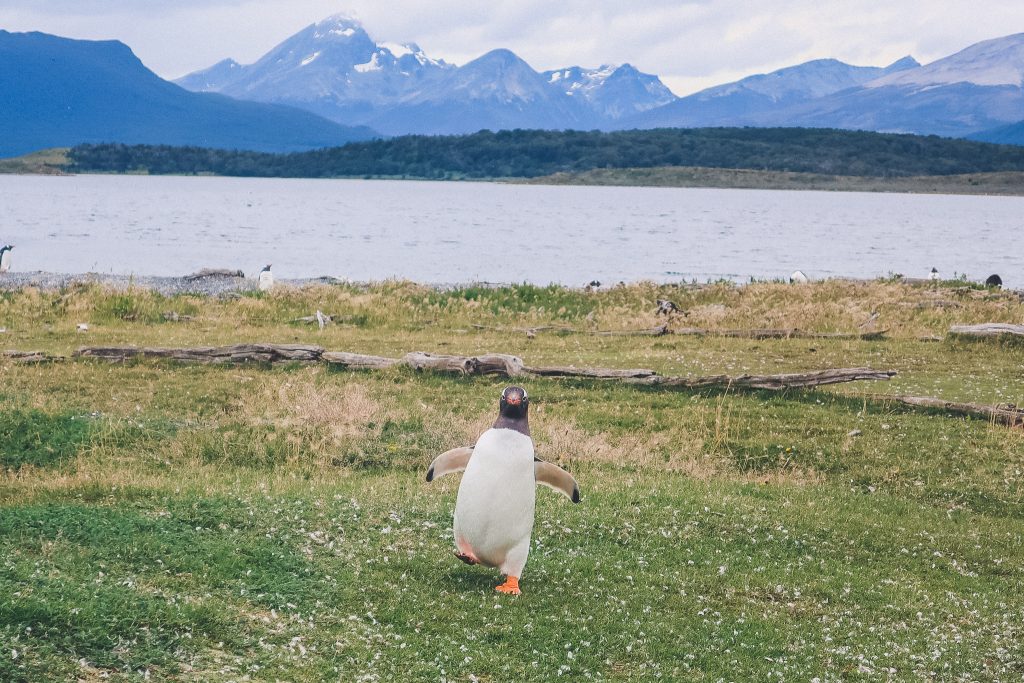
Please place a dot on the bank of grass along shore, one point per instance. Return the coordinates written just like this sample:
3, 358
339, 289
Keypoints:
1009, 183
188, 522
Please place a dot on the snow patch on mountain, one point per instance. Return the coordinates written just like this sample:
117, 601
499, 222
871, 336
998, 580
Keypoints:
989, 63
372, 65
611, 90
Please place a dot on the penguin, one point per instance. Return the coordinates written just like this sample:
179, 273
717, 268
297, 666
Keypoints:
994, 281
799, 278
666, 307
934, 275
5, 257
266, 279
495, 506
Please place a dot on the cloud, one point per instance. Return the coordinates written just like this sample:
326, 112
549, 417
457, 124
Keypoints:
691, 44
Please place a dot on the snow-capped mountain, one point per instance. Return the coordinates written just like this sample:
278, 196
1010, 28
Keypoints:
764, 99
978, 89
611, 91
496, 91
994, 62
332, 68
335, 69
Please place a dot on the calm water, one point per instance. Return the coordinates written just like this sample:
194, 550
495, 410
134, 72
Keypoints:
460, 232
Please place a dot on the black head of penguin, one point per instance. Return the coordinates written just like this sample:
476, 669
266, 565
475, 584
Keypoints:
513, 410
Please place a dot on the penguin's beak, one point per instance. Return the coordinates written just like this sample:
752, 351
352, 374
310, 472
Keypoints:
514, 400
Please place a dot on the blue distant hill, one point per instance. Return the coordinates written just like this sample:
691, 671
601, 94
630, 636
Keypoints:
58, 92
1012, 134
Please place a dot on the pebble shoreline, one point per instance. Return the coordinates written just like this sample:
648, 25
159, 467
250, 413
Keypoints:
168, 286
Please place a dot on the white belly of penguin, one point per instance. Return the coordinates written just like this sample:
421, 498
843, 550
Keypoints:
495, 506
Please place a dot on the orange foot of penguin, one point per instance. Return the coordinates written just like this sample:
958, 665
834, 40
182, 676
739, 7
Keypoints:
467, 558
511, 586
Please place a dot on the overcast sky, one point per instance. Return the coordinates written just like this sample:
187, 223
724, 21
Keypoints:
691, 44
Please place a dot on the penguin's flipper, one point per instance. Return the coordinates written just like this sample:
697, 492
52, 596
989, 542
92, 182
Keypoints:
448, 462
556, 478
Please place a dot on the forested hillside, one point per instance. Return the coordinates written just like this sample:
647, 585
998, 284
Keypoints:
533, 153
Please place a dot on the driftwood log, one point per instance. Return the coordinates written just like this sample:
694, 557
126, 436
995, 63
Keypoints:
1006, 414
987, 330
593, 373
238, 353
784, 333
660, 330
489, 364
511, 366
797, 380
30, 357
502, 365
358, 361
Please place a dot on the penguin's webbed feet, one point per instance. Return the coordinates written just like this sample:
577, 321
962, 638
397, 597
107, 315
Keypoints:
510, 587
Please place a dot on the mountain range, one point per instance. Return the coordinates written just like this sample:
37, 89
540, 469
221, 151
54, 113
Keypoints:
335, 69
58, 92
331, 83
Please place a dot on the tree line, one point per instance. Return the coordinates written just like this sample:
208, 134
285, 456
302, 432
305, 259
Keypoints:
535, 153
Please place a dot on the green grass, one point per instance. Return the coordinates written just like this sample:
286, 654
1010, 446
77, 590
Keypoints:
222, 523
31, 437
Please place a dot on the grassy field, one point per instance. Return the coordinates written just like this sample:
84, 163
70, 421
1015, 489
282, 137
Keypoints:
194, 523
1000, 183
45, 162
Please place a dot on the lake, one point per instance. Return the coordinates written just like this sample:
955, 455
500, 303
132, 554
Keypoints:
453, 232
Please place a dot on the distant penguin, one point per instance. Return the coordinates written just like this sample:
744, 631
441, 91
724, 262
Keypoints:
266, 279
798, 277
994, 281
934, 275
495, 506
5, 257
666, 307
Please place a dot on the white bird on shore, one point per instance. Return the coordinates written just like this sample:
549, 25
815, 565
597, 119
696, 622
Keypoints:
5, 257
266, 279
321, 319
798, 277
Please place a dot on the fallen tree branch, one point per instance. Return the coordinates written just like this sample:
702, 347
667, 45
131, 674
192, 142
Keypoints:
238, 353
30, 357
783, 333
798, 380
658, 331
593, 373
766, 333
489, 364
987, 330
358, 361
1006, 414
527, 330
502, 365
